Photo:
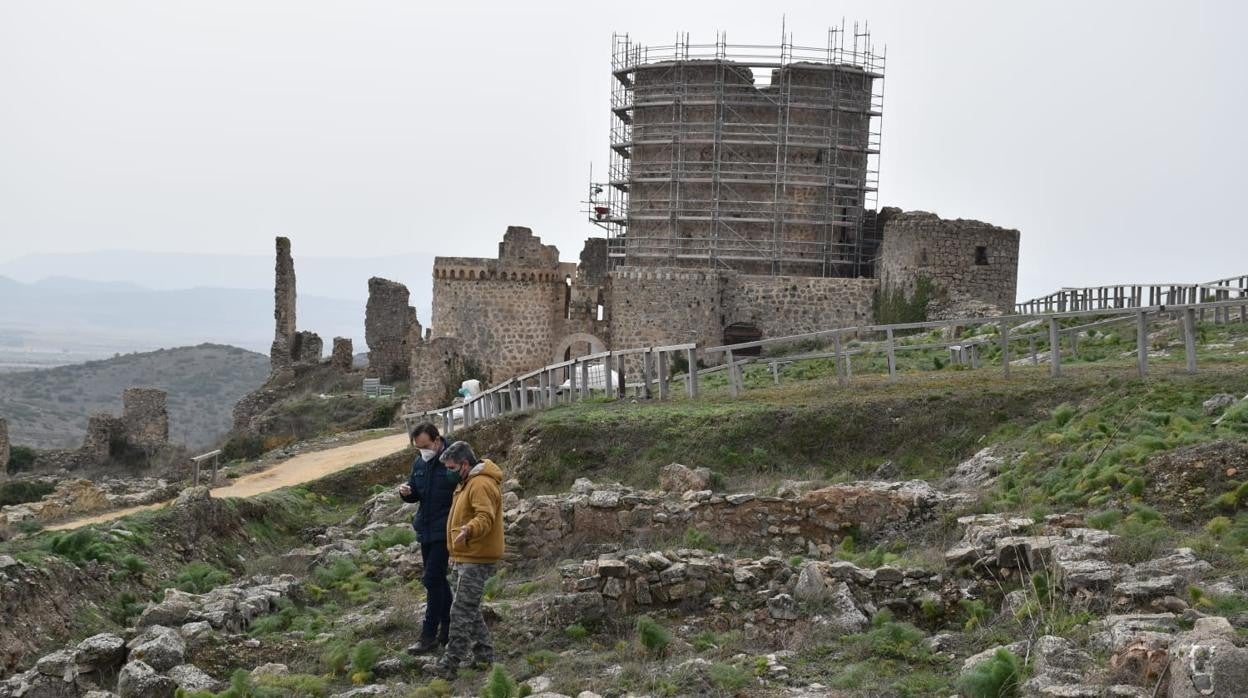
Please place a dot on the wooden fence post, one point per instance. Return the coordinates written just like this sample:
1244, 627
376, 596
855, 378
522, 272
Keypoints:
1141, 341
1189, 337
585, 380
646, 375
892, 355
692, 358
732, 374
1055, 349
608, 375
836, 350
660, 360
1031, 344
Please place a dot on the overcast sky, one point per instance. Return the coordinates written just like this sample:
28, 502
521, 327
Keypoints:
1111, 134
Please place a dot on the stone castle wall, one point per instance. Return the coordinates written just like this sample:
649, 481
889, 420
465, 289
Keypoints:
435, 364
144, 416
676, 306
970, 262
649, 307
389, 323
504, 318
786, 305
4, 448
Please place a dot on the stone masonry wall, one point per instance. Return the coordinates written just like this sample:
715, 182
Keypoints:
144, 416
785, 305
672, 306
434, 364
280, 355
920, 244
504, 318
387, 325
308, 347
343, 354
4, 448
102, 430
650, 307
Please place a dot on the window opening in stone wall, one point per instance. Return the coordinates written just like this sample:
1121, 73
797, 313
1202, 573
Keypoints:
567, 298
739, 332
601, 307
981, 256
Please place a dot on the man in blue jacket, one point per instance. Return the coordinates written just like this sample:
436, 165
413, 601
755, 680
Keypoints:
428, 485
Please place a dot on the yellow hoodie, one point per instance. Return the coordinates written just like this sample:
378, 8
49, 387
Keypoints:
477, 504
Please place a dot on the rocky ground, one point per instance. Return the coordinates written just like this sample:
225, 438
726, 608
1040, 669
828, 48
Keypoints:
1095, 549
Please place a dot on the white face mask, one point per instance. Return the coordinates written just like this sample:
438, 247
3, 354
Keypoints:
428, 454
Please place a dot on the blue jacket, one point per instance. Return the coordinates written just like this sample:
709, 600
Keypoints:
432, 491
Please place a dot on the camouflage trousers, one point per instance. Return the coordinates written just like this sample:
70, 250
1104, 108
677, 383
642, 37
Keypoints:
468, 631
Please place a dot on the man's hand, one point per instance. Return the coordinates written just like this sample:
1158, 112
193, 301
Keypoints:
462, 537
405, 490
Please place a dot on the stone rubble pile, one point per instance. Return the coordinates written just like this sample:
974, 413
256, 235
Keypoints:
152, 664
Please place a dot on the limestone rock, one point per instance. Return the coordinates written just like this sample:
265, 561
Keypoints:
677, 479
1205, 662
978, 470
811, 585
158, 647
138, 680
1218, 402
782, 607
103, 652
191, 678
176, 609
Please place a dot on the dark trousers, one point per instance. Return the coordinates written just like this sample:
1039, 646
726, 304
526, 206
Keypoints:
438, 589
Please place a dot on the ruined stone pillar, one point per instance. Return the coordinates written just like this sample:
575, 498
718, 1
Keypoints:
4, 448
281, 354
308, 347
102, 429
145, 417
387, 321
343, 354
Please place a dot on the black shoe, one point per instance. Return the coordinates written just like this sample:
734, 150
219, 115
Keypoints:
424, 645
444, 639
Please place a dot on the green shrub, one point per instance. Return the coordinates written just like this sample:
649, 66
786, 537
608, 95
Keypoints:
20, 458
390, 537
729, 677
363, 658
694, 538
23, 492
131, 566
705, 640
335, 656
199, 578
1104, 520
576, 632
977, 613
541, 660
998, 677
243, 446
652, 636
499, 684
1063, 413
342, 577
81, 545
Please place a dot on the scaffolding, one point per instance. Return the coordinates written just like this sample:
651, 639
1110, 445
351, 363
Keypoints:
759, 158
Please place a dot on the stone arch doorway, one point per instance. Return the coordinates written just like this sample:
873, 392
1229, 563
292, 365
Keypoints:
739, 332
577, 345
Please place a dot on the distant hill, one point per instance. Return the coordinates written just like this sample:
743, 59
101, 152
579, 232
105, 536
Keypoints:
62, 320
49, 408
326, 277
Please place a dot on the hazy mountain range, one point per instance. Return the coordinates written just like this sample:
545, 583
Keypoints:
62, 308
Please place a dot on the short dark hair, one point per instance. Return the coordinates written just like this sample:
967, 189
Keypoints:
459, 452
425, 428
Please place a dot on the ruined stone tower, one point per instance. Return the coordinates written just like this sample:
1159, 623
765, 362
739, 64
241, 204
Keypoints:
282, 353
761, 160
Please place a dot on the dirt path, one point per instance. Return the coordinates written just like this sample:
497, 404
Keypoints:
292, 471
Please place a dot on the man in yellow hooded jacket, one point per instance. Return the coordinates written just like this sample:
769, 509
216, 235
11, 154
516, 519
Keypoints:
474, 537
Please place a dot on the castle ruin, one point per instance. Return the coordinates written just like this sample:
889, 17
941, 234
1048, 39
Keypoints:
740, 204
